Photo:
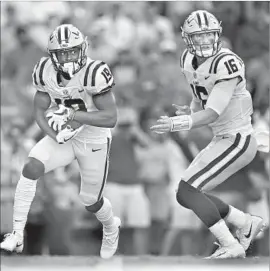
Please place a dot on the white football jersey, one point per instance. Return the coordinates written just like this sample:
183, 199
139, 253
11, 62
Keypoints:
94, 78
225, 65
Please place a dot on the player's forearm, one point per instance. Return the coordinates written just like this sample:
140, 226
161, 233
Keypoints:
101, 118
203, 117
195, 106
43, 125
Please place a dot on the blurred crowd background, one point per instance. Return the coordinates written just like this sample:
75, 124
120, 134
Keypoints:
141, 42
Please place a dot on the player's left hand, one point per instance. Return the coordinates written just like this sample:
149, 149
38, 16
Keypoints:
59, 117
66, 134
182, 110
164, 125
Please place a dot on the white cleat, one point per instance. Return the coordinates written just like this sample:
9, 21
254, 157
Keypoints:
13, 242
235, 250
110, 239
253, 227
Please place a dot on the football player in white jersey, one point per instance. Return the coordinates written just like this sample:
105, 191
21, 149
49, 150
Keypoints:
81, 87
220, 99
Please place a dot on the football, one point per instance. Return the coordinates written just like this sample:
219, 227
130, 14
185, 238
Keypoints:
74, 124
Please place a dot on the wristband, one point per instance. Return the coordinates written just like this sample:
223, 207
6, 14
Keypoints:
72, 114
181, 123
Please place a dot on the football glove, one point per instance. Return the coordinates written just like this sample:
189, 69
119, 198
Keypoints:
66, 134
59, 117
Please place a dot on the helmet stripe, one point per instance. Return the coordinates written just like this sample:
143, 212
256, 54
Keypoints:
66, 34
199, 19
205, 18
59, 35
62, 33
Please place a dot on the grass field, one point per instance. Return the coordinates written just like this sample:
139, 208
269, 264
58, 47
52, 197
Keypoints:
118, 263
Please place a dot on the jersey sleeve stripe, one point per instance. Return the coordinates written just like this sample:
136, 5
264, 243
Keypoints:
106, 89
218, 60
41, 71
94, 73
35, 74
227, 79
217, 56
183, 58
87, 73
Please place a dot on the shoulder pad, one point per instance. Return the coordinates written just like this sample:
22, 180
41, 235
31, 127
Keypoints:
38, 74
98, 77
227, 65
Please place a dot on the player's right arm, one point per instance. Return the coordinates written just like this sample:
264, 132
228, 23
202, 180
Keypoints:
42, 102
195, 105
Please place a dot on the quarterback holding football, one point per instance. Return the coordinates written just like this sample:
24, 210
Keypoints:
216, 77
75, 108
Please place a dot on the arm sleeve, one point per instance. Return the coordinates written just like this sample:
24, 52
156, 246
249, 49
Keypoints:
221, 95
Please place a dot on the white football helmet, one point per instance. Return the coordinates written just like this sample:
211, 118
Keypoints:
66, 39
202, 22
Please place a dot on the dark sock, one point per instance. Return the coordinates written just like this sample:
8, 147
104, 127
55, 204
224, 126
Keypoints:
191, 198
222, 207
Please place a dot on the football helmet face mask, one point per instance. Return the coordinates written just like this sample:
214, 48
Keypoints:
201, 32
67, 48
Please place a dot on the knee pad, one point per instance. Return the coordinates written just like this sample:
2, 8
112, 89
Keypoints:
185, 193
33, 169
95, 207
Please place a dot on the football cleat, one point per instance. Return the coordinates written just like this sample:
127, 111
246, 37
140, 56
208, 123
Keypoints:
110, 239
234, 250
13, 242
253, 227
